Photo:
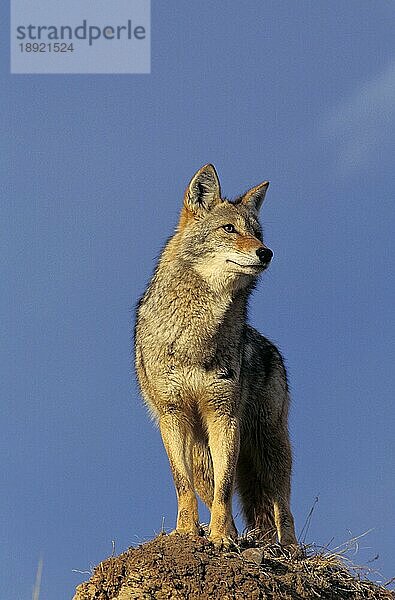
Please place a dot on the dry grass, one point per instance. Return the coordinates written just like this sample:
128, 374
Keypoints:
37, 583
323, 567
186, 567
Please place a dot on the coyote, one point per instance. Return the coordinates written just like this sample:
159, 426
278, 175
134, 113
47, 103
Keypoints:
216, 387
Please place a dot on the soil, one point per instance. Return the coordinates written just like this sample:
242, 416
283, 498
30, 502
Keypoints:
179, 567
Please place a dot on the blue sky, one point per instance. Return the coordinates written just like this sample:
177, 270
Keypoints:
92, 176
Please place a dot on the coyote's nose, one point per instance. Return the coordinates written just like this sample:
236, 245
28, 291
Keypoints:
265, 255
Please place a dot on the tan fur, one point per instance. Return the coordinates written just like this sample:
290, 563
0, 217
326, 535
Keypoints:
216, 387
246, 244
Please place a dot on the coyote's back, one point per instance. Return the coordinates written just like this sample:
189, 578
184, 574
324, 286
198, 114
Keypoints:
216, 387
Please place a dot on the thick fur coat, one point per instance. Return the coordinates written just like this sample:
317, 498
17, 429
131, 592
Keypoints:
216, 387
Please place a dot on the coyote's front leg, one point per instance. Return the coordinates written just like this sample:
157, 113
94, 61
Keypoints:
176, 436
224, 443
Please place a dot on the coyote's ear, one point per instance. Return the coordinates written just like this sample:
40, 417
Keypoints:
255, 196
203, 192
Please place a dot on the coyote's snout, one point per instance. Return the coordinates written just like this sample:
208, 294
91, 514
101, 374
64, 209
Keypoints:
216, 387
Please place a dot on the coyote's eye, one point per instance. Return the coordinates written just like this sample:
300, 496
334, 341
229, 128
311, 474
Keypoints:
229, 228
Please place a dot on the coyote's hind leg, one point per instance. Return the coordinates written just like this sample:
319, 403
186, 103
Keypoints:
203, 473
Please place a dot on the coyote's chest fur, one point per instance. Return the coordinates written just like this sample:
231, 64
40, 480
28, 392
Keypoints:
186, 348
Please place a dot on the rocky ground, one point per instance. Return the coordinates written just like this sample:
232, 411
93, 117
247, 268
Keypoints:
178, 567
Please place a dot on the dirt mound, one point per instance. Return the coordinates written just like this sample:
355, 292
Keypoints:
175, 567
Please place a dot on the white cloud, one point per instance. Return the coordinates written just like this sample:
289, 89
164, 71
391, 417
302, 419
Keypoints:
363, 124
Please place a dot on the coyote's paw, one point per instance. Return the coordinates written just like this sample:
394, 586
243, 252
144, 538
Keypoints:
223, 536
187, 529
221, 541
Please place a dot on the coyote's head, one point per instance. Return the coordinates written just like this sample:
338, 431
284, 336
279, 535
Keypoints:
220, 239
